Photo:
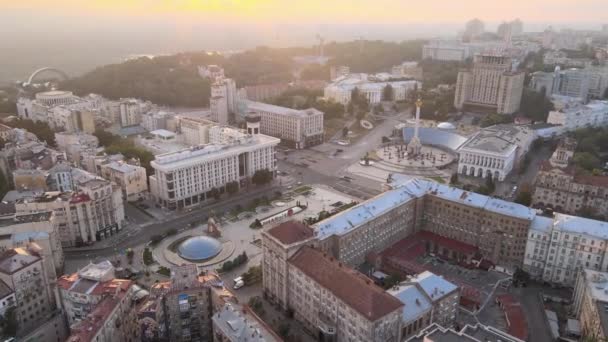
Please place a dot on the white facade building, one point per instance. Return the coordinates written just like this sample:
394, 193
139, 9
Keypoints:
495, 151
559, 248
224, 100
297, 128
576, 116
131, 111
195, 131
456, 50
185, 177
370, 86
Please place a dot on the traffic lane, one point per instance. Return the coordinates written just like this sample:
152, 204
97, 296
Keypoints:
146, 233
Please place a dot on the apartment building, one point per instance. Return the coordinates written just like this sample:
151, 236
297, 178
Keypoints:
80, 292
91, 211
490, 85
24, 271
223, 101
39, 228
296, 128
130, 178
112, 319
559, 248
186, 177
560, 186
76, 145
587, 82
279, 243
186, 305
338, 302
591, 303
131, 111
427, 299
577, 116
195, 131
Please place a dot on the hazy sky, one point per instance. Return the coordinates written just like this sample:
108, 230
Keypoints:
79, 34
368, 11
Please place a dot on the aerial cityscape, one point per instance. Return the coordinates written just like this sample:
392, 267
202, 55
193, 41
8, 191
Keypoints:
304, 182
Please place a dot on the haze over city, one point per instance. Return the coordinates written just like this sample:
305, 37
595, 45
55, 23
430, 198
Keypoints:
303, 171
80, 35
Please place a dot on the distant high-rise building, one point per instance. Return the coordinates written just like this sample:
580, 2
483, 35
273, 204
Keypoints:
474, 28
224, 100
507, 30
490, 85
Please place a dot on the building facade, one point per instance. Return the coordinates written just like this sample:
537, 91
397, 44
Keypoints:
577, 116
235, 323
561, 187
559, 248
337, 302
590, 302
427, 299
186, 177
495, 151
490, 85
91, 212
370, 86
296, 128
23, 270
130, 178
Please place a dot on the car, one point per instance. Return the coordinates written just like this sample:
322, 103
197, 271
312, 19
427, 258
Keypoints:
299, 183
290, 187
238, 283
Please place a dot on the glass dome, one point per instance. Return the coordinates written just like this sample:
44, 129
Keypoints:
199, 248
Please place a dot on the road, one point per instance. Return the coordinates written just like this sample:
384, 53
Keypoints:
319, 165
136, 234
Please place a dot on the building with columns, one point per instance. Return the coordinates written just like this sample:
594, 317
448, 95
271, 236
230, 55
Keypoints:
370, 86
495, 151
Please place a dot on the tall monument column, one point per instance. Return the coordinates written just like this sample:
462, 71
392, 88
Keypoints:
414, 147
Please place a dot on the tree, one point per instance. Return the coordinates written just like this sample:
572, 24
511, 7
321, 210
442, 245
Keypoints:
215, 193
40, 129
535, 105
4, 184
490, 184
344, 131
454, 178
2, 143
9, 322
261, 177
587, 160
253, 275
232, 187
387, 93
524, 197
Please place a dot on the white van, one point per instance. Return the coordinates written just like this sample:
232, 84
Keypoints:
238, 283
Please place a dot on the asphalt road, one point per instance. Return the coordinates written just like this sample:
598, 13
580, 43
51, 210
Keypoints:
135, 235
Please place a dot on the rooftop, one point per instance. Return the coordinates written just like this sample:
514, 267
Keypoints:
5, 290
291, 232
348, 285
415, 302
470, 333
121, 166
13, 260
576, 224
435, 287
265, 107
239, 324
407, 190
500, 139
87, 329
201, 153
